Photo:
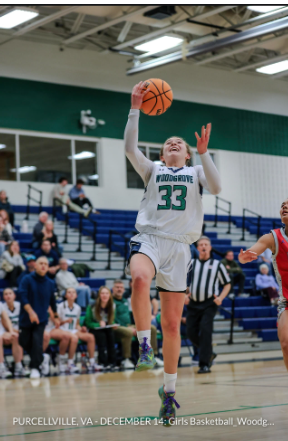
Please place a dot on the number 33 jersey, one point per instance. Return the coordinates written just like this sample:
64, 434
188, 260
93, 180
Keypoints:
172, 203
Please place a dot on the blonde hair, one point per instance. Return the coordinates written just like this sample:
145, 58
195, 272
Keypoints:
188, 149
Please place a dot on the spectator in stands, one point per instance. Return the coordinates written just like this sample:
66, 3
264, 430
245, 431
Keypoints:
66, 279
52, 330
69, 313
126, 330
47, 233
36, 292
38, 227
78, 196
12, 263
52, 257
5, 237
8, 227
266, 257
30, 267
267, 284
99, 318
61, 194
235, 271
5, 205
12, 308
154, 304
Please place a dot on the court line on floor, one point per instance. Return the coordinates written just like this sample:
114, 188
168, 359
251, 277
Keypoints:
143, 417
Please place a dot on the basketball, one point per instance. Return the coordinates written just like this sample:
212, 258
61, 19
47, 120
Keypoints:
158, 99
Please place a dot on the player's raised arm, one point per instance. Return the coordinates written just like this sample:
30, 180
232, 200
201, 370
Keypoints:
266, 241
142, 165
208, 174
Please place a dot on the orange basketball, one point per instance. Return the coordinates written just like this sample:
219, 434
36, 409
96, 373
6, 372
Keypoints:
158, 99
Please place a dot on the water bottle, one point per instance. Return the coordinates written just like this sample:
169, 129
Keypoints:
24, 228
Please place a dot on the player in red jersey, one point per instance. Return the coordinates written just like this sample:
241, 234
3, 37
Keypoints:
277, 242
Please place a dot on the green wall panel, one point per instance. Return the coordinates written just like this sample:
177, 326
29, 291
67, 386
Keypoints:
47, 107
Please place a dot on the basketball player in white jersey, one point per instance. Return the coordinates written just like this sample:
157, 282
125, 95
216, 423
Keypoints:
63, 338
69, 314
12, 308
169, 220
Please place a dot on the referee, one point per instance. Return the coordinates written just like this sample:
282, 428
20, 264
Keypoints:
204, 276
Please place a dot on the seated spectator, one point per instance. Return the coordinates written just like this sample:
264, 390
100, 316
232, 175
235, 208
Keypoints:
51, 255
60, 193
38, 227
30, 267
235, 271
12, 263
267, 284
8, 227
52, 330
69, 314
12, 309
5, 237
5, 205
66, 279
36, 293
98, 320
126, 330
266, 257
78, 197
47, 233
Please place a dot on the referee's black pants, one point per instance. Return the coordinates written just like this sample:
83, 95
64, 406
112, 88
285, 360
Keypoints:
199, 325
31, 340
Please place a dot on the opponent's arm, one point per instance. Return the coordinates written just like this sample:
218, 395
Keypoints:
266, 241
142, 165
208, 174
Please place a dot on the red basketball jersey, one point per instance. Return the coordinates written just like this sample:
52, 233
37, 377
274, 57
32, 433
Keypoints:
280, 262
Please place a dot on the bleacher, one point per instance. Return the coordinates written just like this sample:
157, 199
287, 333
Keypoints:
251, 314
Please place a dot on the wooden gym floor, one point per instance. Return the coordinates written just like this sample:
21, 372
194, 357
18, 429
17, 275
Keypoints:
247, 390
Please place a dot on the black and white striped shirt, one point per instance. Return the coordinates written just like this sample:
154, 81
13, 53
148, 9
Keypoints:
204, 277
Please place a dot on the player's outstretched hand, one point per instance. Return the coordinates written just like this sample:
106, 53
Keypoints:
138, 94
202, 143
247, 256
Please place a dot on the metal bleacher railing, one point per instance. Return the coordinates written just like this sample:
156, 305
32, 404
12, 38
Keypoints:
82, 230
30, 198
232, 314
246, 219
225, 211
124, 248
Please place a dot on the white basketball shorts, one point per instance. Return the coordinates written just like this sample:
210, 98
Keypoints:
171, 259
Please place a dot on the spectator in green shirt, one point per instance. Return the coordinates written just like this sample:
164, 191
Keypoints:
126, 329
98, 319
234, 270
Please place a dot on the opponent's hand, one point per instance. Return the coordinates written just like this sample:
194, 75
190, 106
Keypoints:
138, 94
247, 256
202, 143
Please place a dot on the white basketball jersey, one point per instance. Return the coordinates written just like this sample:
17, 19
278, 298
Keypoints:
172, 204
13, 315
65, 313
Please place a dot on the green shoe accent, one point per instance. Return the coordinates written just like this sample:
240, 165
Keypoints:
168, 406
146, 357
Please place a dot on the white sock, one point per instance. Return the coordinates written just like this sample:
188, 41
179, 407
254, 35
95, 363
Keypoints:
70, 361
142, 334
18, 365
170, 382
62, 358
91, 361
2, 365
